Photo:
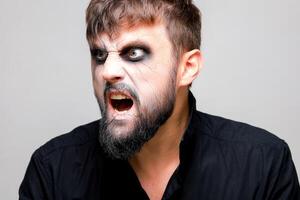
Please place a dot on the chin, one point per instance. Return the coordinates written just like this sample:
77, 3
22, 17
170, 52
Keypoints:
121, 128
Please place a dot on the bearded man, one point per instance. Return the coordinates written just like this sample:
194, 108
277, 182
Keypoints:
151, 142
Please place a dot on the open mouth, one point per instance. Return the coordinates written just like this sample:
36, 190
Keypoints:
120, 102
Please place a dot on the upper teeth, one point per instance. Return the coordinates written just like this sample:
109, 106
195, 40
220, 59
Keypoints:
118, 96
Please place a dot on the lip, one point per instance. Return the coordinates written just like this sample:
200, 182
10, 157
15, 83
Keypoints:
115, 114
118, 92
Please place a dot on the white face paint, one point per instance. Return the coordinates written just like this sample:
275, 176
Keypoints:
134, 79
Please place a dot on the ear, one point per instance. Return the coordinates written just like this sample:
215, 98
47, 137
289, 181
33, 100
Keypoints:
190, 66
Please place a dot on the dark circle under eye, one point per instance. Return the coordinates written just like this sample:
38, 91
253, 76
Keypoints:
101, 56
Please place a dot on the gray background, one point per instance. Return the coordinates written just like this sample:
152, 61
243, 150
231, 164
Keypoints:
251, 72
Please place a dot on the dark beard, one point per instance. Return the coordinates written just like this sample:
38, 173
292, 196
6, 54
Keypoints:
145, 128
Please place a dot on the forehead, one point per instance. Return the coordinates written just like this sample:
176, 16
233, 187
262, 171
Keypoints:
153, 35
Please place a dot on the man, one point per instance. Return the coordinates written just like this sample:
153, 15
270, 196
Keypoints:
151, 143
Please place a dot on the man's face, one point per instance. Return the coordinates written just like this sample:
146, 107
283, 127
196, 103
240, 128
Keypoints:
134, 79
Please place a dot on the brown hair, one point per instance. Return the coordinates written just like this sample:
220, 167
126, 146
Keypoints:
181, 17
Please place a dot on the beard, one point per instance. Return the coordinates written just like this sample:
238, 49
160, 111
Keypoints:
145, 125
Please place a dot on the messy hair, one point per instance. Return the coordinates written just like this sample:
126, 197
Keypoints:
181, 18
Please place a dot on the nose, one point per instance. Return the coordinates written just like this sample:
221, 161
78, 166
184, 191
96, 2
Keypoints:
112, 69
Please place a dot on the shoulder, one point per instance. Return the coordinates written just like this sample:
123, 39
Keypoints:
70, 155
246, 148
227, 130
247, 145
255, 158
84, 136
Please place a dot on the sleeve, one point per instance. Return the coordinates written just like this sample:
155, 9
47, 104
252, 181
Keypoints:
280, 180
36, 184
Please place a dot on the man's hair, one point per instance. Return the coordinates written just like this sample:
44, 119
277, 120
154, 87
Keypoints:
181, 18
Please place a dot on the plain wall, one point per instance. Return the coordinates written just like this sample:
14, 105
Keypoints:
251, 72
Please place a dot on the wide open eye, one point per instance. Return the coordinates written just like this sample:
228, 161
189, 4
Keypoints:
99, 55
134, 54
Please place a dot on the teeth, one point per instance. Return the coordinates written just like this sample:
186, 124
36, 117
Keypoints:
118, 97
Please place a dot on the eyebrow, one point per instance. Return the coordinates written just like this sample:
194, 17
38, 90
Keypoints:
95, 46
134, 43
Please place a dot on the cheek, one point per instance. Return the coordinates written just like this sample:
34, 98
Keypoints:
151, 86
154, 71
98, 82
96, 75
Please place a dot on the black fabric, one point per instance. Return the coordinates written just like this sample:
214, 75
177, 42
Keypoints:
220, 159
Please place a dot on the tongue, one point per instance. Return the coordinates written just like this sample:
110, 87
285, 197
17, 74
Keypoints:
122, 105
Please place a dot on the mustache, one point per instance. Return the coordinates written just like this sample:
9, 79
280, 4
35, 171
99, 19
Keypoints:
121, 87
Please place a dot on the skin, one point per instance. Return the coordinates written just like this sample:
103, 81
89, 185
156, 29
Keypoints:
159, 157
148, 77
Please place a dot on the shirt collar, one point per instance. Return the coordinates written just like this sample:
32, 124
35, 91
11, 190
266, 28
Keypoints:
186, 149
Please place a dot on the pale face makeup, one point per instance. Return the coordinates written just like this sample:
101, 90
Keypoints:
134, 79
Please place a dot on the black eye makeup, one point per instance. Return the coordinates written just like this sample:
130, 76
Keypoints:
135, 53
99, 55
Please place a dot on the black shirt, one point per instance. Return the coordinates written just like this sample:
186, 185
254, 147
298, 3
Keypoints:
220, 159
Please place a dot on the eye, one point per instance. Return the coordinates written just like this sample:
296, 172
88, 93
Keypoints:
99, 55
134, 54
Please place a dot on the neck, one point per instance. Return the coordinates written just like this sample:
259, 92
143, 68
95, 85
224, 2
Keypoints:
162, 151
